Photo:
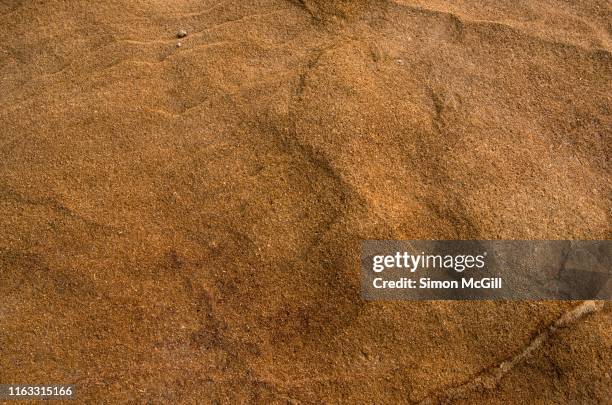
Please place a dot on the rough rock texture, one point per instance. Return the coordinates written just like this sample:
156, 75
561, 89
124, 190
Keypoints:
183, 224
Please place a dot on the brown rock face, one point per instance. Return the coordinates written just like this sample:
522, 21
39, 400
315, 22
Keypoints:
183, 224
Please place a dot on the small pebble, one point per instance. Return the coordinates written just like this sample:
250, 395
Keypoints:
182, 34
178, 45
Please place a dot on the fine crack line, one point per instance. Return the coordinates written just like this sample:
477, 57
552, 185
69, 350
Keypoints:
490, 378
308, 8
7, 193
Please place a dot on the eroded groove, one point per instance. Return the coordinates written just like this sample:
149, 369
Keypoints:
461, 21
